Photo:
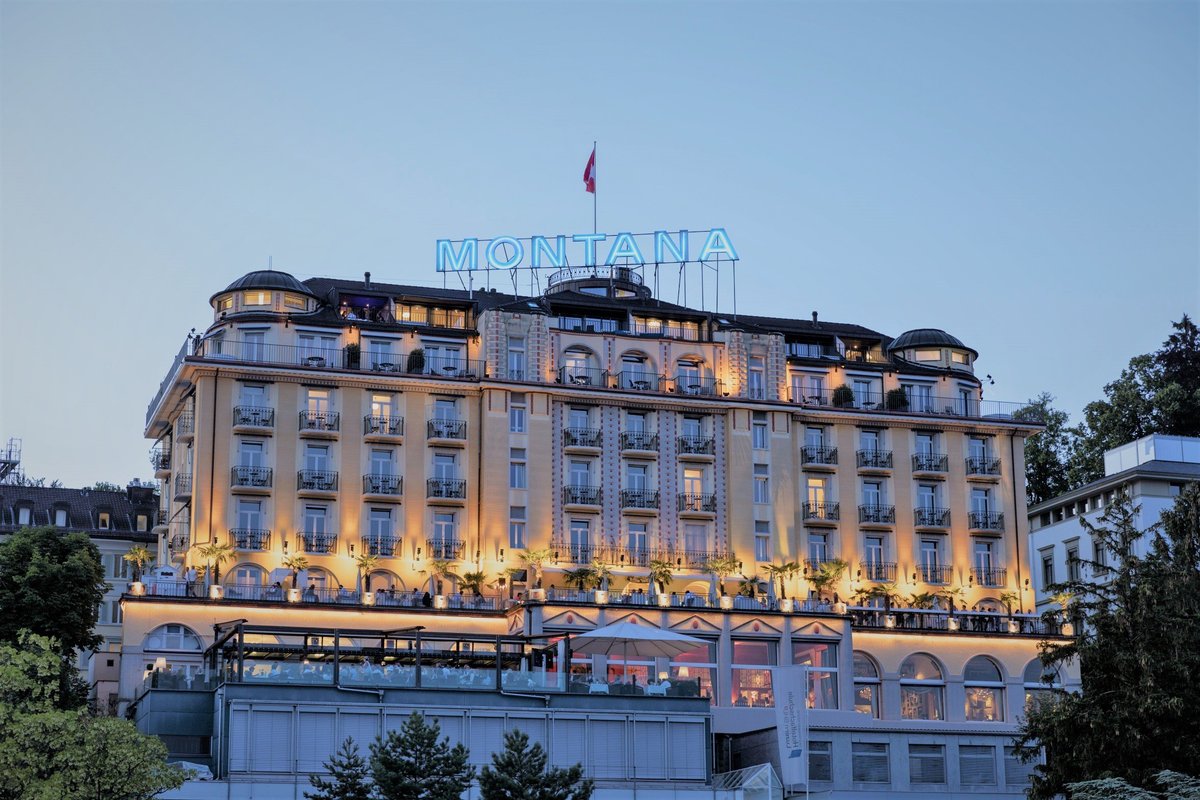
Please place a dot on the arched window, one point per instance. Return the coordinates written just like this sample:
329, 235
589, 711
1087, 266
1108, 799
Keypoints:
1041, 682
866, 685
922, 688
579, 367
172, 637
244, 580
988, 604
984, 690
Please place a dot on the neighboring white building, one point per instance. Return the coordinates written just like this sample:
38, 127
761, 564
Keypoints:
1152, 470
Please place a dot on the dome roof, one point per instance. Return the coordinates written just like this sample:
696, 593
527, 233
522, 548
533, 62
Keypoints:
926, 337
267, 279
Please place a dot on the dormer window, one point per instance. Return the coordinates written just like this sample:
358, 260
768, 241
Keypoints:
143, 522
24, 515
256, 298
60, 517
104, 520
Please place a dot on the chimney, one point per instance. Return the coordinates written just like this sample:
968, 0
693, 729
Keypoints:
367, 280
815, 323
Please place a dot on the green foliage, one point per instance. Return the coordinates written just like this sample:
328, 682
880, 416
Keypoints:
473, 581
416, 361
52, 584
722, 566
827, 575
662, 572
215, 555
296, 563
105, 486
843, 396
48, 752
1048, 453
896, 400
534, 559
782, 572
1138, 649
139, 557
580, 578
519, 772
349, 776
1168, 786
411, 764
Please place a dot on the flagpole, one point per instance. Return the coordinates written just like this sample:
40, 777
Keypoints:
595, 185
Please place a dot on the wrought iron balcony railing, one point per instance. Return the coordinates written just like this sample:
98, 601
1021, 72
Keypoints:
250, 538
874, 459
639, 440
696, 503
185, 425
378, 425
160, 458
813, 565
639, 498
581, 437
630, 556
935, 573
996, 576
693, 559
183, 484
319, 420
582, 495
383, 484
813, 454
931, 517
257, 477
254, 416
697, 446
985, 520
445, 549
574, 552
983, 465
882, 515
317, 480
446, 429
384, 545
930, 462
446, 488
583, 376
878, 571
690, 386
637, 381
318, 543
822, 512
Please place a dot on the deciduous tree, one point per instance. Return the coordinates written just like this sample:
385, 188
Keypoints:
1048, 452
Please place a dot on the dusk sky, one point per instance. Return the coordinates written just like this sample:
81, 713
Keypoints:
1024, 175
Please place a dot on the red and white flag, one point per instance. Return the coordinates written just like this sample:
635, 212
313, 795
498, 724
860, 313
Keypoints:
589, 173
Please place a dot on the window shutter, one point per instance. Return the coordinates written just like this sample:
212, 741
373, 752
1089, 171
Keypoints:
608, 748
568, 747
534, 728
239, 722
870, 762
487, 736
452, 728
977, 765
650, 749
362, 728
270, 741
315, 740
689, 751
926, 763
1016, 773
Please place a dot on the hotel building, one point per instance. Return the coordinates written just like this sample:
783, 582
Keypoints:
447, 433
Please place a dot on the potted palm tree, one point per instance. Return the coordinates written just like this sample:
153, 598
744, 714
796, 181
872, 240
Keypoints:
439, 570
662, 572
723, 566
534, 559
887, 593
140, 558
1064, 600
581, 578
297, 563
783, 572
603, 574
365, 564
214, 555
826, 577
952, 595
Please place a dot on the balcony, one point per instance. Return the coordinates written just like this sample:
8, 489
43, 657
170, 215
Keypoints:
316, 480
160, 459
456, 368
387, 485
930, 462
255, 539
983, 466
583, 376
639, 499
992, 578
314, 543
319, 421
821, 512
637, 381
445, 549
901, 620
935, 573
878, 571
694, 386
574, 552
697, 446
382, 545
183, 486
646, 327
641, 441
383, 426
931, 517
578, 495
985, 520
815, 455
445, 489
695, 560
629, 556
696, 503
253, 417
449, 429
582, 437
185, 426
874, 459
250, 477
877, 514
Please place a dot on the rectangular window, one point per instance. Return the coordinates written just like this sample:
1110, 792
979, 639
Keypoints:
60, 517
814, 437
445, 466
315, 518
317, 401
256, 298
143, 522
693, 427
759, 435
693, 481
762, 541
818, 547
868, 441
695, 538
872, 493
580, 533
985, 556
926, 496
516, 414
250, 453
751, 684
316, 457
930, 553
869, 762
636, 541
294, 301
1099, 553
516, 469
1017, 773
981, 501
925, 444
637, 478
382, 461
873, 550
820, 761
977, 765
926, 763
381, 522
822, 659
635, 423
254, 346
23, 516
516, 358
578, 418
1073, 570
443, 527
762, 484
104, 520
581, 473
1048, 569
516, 527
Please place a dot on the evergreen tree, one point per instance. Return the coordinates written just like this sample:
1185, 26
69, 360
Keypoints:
1138, 648
519, 772
348, 776
411, 764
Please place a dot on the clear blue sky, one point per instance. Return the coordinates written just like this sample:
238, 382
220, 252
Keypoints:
1023, 175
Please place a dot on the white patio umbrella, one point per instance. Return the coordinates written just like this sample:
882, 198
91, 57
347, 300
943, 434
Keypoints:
629, 636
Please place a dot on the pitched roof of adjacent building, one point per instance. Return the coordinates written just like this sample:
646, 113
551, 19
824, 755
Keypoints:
83, 507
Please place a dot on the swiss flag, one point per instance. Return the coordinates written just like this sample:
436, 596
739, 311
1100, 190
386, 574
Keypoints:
589, 173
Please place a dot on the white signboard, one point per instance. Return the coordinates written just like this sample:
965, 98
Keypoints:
790, 686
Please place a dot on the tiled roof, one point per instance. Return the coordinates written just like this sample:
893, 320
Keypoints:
82, 507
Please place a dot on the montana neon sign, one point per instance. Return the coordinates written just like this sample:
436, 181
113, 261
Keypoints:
555, 252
